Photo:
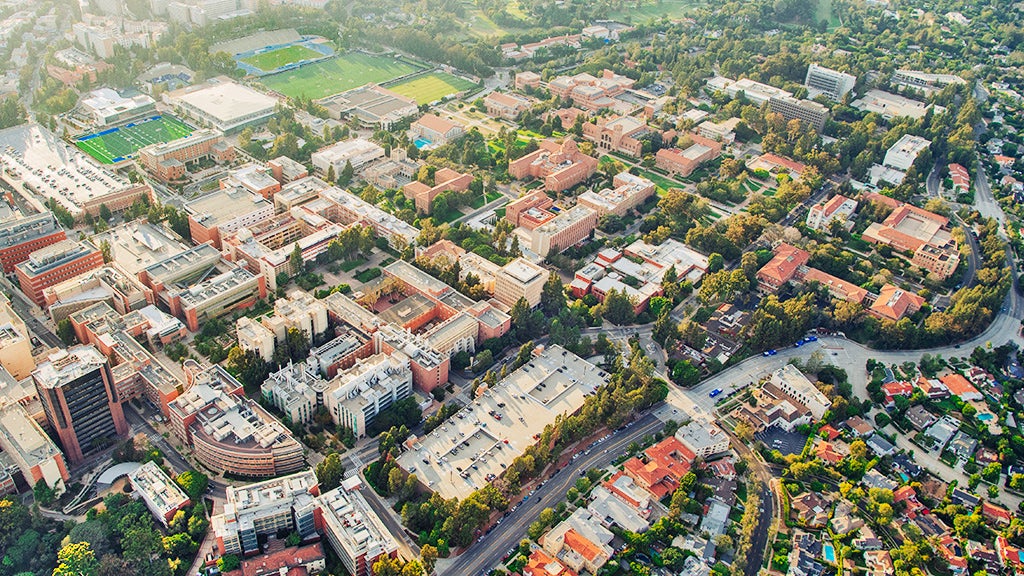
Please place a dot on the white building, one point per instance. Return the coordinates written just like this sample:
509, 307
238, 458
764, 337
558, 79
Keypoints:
222, 104
520, 278
903, 153
299, 311
612, 511
295, 391
793, 382
355, 396
832, 83
353, 529
256, 337
162, 496
703, 437
285, 503
839, 208
105, 106
358, 152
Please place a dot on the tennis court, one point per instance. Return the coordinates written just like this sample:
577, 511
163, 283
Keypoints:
274, 59
117, 144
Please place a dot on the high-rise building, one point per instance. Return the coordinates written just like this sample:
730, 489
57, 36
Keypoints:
79, 399
832, 83
808, 111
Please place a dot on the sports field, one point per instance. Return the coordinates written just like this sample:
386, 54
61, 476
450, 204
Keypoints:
274, 59
343, 72
430, 87
116, 144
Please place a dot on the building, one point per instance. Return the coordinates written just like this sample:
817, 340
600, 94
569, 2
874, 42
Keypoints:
807, 111
793, 382
613, 511
488, 435
890, 106
924, 82
520, 278
580, 542
961, 178
121, 291
782, 268
358, 152
358, 394
162, 496
724, 131
32, 451
254, 336
253, 178
775, 165
286, 170
526, 80
616, 134
74, 66
893, 303
15, 342
266, 247
81, 405
541, 564
28, 155
102, 35
563, 231
137, 245
345, 208
213, 216
839, 208
353, 529
291, 561
265, 508
560, 166
296, 391
684, 162
703, 438
54, 264
169, 161
661, 467
374, 107
590, 92
435, 130
756, 92
912, 229
505, 105
105, 107
959, 386
298, 192
20, 236
445, 180
837, 287
628, 192
833, 84
223, 104
905, 151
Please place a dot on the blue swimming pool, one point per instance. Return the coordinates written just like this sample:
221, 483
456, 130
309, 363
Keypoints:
828, 552
422, 143
985, 416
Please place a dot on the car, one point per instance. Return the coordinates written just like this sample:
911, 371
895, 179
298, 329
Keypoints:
715, 392
765, 354
798, 344
773, 352
811, 339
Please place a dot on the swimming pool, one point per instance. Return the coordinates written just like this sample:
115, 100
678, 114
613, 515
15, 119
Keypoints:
828, 552
985, 416
422, 143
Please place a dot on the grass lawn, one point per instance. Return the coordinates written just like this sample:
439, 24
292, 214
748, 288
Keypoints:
125, 141
659, 180
479, 201
274, 59
343, 72
824, 13
350, 265
662, 9
431, 87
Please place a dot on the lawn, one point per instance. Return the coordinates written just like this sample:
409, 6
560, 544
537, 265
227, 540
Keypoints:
663, 9
274, 59
431, 87
114, 145
343, 72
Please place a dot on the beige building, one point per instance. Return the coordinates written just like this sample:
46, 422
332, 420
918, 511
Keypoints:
256, 337
520, 278
15, 346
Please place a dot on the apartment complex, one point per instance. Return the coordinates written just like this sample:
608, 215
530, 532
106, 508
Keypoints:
21, 236
560, 166
79, 399
162, 496
169, 161
228, 432
833, 84
54, 264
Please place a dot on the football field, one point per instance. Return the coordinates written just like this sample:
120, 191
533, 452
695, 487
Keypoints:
116, 144
343, 72
274, 59
431, 87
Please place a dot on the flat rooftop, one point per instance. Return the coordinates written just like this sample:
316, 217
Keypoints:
33, 156
136, 246
225, 101
22, 434
480, 441
66, 365
182, 265
523, 271
225, 204
159, 489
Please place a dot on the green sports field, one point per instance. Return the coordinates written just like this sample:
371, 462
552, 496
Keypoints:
343, 72
122, 142
431, 87
274, 59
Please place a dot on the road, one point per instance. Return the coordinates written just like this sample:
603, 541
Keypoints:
407, 548
485, 555
27, 310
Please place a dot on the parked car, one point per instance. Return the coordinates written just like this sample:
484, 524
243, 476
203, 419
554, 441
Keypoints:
715, 392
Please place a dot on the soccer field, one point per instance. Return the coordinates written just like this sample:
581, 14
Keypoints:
430, 87
116, 144
274, 59
343, 72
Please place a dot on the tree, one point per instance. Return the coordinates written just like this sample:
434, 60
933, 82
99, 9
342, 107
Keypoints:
330, 174
66, 332
229, 562
296, 259
428, 555
105, 250
552, 297
179, 545
330, 471
715, 262
76, 559
345, 178
105, 213
618, 308
43, 493
194, 483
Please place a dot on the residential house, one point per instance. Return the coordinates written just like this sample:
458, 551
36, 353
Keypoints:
960, 387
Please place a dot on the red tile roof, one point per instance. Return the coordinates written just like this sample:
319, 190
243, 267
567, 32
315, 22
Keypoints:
540, 564
783, 266
581, 545
894, 303
958, 385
